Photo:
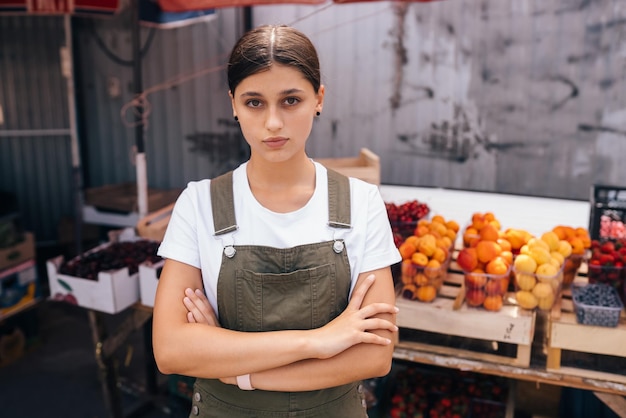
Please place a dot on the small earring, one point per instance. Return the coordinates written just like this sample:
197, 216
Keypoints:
317, 113
236, 118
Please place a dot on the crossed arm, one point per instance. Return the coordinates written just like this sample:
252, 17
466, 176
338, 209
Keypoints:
356, 345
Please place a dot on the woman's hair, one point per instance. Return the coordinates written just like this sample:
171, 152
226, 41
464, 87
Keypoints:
259, 48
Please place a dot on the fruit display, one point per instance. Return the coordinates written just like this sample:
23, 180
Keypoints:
115, 256
538, 271
607, 262
425, 258
597, 304
404, 217
580, 241
429, 393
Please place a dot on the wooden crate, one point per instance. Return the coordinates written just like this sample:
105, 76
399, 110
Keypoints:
123, 197
592, 351
486, 332
153, 225
365, 166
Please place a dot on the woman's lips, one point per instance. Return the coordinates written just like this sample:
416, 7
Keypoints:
275, 142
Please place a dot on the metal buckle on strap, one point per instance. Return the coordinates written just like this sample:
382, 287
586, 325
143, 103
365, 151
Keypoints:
338, 246
229, 251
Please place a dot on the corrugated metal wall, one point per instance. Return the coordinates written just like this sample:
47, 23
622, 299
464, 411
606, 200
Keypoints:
524, 97
521, 97
35, 158
189, 129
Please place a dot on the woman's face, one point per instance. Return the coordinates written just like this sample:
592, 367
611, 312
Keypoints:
276, 110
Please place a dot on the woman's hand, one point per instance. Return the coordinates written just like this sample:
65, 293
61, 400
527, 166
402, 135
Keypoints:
352, 326
199, 309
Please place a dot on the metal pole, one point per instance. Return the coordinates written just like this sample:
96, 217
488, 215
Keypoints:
68, 72
140, 158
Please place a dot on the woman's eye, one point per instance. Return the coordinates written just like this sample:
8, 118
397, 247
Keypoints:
292, 101
253, 103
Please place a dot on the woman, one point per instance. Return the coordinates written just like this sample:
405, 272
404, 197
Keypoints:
293, 259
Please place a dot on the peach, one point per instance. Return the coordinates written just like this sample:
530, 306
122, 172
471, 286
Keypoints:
478, 221
475, 297
475, 279
489, 233
508, 256
497, 266
504, 244
487, 250
467, 259
494, 287
552, 239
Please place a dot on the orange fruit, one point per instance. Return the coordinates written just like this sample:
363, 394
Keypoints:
487, 250
489, 233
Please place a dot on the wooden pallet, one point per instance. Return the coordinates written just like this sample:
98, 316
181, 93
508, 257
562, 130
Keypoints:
597, 345
511, 326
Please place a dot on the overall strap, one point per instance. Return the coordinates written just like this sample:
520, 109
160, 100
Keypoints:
338, 200
223, 204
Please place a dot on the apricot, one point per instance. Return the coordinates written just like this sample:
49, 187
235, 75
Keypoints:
427, 245
406, 250
433, 269
578, 247
438, 219
517, 238
494, 287
497, 266
475, 297
487, 250
419, 259
439, 255
493, 303
426, 293
508, 256
478, 221
475, 279
421, 230
453, 225
467, 259
504, 244
489, 233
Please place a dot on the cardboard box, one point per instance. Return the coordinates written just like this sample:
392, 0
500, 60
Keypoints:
365, 166
18, 286
149, 275
18, 253
607, 217
113, 292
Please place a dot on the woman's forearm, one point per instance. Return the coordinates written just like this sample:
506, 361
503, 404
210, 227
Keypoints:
359, 362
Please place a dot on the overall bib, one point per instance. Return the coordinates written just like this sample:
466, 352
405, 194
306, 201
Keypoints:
266, 289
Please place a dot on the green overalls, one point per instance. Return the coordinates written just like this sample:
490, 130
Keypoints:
266, 289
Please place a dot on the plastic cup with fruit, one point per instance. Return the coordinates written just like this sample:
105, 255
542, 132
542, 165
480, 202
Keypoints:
538, 290
403, 217
422, 282
483, 290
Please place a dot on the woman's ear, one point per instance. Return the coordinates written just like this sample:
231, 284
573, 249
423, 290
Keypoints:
320, 99
232, 101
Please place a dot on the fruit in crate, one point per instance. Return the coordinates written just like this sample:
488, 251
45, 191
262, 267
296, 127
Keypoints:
115, 256
403, 217
425, 258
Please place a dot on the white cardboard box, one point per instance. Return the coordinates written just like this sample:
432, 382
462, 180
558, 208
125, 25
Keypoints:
113, 292
148, 280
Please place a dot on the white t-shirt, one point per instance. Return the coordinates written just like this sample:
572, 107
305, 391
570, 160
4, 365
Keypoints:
190, 234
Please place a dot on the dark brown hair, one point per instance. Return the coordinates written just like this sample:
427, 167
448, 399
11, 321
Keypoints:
259, 48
